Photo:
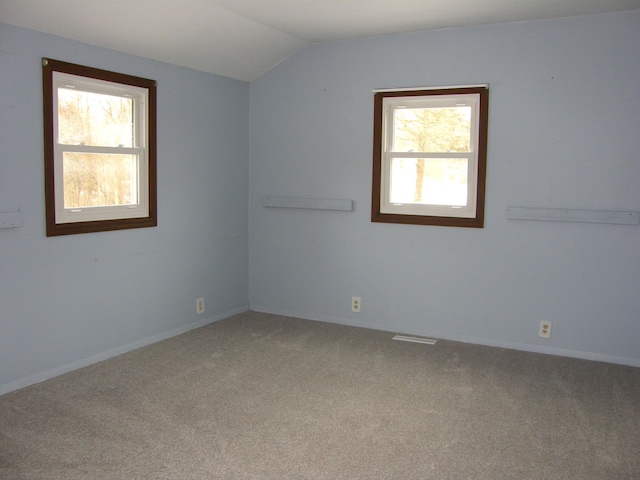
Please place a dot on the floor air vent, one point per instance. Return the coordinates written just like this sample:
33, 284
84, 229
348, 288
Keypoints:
406, 338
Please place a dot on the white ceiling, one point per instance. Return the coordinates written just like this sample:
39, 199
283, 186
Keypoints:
242, 39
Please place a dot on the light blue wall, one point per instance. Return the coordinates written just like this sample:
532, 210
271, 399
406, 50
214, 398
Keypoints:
68, 301
564, 132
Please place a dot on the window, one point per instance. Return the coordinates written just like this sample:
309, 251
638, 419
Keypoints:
429, 158
100, 149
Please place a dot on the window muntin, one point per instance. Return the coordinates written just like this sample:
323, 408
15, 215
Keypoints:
99, 149
430, 156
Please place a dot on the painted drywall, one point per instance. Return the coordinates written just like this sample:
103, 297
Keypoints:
563, 132
68, 301
564, 121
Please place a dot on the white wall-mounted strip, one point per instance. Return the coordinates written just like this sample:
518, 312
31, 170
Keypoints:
308, 203
571, 215
407, 338
441, 87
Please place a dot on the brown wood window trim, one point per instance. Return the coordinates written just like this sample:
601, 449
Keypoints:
477, 221
55, 228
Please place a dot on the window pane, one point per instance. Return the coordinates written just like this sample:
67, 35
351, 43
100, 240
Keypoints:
95, 119
431, 181
99, 180
432, 129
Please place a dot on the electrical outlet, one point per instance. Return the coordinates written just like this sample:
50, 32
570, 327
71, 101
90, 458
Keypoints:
356, 303
545, 329
200, 305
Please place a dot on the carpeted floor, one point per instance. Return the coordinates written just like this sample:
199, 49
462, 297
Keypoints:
260, 396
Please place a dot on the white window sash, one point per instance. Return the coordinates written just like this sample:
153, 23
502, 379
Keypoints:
140, 209
390, 104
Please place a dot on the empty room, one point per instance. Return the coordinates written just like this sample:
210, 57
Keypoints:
319, 240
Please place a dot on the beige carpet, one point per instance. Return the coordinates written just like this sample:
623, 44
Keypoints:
260, 396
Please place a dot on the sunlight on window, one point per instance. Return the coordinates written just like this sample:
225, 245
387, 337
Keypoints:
436, 130
88, 118
432, 181
97, 120
95, 180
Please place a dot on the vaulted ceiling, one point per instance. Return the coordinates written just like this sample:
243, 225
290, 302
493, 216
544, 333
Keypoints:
242, 39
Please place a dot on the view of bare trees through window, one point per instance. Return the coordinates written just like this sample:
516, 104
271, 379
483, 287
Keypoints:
91, 125
439, 180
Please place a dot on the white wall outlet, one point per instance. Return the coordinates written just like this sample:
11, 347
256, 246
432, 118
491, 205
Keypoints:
200, 305
545, 329
356, 303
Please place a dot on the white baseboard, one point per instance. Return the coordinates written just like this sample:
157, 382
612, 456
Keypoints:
54, 372
562, 352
